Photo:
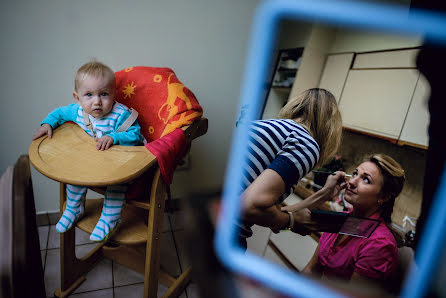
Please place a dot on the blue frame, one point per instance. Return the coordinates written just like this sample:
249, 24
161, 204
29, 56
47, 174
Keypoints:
387, 18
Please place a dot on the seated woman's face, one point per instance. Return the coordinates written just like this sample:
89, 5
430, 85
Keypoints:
363, 189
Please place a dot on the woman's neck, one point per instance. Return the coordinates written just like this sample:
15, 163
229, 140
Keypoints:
364, 213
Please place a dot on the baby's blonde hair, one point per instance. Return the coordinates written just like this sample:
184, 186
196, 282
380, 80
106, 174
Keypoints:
93, 68
316, 109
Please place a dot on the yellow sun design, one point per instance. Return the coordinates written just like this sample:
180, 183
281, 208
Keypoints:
128, 69
151, 130
129, 90
157, 78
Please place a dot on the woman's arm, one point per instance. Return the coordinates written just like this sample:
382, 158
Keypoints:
313, 267
259, 201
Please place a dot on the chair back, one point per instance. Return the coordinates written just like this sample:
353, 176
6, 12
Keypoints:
162, 101
20, 262
405, 260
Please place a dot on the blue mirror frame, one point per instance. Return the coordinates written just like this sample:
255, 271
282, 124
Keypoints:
385, 18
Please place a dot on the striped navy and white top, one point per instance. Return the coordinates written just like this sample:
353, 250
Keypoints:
106, 125
283, 146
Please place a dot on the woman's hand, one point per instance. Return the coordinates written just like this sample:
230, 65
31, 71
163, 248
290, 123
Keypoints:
104, 143
45, 129
335, 183
302, 215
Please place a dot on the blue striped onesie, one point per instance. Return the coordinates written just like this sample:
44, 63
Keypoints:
115, 195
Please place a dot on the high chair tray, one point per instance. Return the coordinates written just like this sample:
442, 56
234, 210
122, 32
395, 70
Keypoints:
70, 156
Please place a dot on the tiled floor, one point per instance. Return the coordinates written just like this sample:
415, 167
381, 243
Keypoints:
107, 278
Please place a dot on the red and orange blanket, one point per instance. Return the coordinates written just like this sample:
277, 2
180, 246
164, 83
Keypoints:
164, 105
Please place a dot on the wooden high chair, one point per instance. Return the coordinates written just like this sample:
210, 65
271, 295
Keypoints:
70, 157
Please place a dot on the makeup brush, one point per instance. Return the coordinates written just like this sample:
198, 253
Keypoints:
331, 173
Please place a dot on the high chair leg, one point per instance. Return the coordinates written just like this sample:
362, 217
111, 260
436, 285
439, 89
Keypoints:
72, 269
155, 225
179, 285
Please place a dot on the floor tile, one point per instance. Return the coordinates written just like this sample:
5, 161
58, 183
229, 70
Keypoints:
82, 237
100, 276
181, 249
136, 291
52, 272
43, 236
177, 220
192, 291
166, 223
83, 249
169, 258
107, 293
53, 238
123, 276
43, 256
131, 291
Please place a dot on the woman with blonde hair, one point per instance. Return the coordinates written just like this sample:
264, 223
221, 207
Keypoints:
281, 152
372, 191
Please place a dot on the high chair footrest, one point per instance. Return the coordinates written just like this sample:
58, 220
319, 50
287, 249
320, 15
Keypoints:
131, 231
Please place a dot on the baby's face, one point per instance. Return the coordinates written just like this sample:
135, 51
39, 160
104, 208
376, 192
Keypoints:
96, 95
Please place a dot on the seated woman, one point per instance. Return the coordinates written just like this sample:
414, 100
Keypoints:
372, 191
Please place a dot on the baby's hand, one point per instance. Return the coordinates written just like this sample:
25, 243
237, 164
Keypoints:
45, 129
104, 143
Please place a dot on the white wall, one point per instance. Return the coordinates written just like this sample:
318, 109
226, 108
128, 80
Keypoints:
44, 42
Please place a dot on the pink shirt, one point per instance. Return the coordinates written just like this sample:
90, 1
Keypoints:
374, 257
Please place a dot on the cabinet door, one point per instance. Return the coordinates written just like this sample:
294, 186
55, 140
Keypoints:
335, 72
377, 100
417, 120
387, 59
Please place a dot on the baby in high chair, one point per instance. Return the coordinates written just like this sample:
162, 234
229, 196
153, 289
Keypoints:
110, 123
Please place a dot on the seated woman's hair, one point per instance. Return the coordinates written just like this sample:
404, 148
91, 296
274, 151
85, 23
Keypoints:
316, 109
393, 181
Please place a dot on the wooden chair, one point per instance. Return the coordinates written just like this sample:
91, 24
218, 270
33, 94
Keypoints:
70, 157
21, 272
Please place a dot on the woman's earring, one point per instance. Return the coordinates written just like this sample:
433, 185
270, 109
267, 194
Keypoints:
380, 202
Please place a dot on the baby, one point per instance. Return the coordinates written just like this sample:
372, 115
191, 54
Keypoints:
97, 112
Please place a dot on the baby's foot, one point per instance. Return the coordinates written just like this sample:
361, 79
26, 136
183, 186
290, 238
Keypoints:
104, 228
111, 213
69, 217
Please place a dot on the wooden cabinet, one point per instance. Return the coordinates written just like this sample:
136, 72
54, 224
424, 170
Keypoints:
335, 73
417, 121
386, 59
380, 94
377, 100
